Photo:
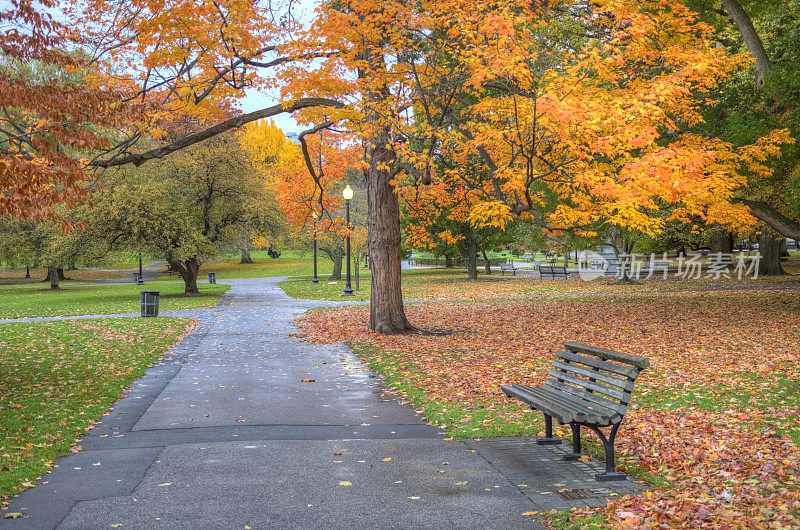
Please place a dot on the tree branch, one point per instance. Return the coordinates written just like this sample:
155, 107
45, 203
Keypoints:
138, 159
751, 39
782, 224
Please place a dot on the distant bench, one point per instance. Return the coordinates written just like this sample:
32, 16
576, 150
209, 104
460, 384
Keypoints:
507, 267
587, 386
553, 272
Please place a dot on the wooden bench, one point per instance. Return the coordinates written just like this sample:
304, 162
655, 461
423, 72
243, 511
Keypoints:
553, 272
587, 386
507, 267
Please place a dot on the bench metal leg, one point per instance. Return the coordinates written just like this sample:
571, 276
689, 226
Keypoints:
548, 439
576, 443
608, 445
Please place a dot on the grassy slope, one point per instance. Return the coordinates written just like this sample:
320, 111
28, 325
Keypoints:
57, 377
38, 301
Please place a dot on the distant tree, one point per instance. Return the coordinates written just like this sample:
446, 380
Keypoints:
186, 206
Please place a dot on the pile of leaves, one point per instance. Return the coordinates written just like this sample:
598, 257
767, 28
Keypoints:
714, 417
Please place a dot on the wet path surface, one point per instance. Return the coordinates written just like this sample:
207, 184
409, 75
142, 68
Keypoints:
243, 425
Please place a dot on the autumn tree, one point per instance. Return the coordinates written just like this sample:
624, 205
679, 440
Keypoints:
54, 111
580, 102
47, 244
759, 100
183, 207
309, 193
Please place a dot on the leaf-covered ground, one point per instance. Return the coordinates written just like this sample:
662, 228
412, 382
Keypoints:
716, 418
38, 301
452, 284
56, 378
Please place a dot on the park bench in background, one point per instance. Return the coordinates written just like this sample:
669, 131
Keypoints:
553, 272
589, 387
508, 267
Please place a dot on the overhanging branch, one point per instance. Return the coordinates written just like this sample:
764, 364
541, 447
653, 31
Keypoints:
138, 159
785, 226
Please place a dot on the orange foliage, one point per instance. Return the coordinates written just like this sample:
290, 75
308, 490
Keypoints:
299, 193
52, 109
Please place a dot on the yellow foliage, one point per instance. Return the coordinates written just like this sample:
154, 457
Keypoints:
491, 213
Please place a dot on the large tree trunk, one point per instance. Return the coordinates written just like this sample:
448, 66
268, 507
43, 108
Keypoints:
53, 277
246, 256
487, 264
448, 261
623, 247
469, 252
188, 269
336, 255
785, 226
386, 311
721, 240
770, 246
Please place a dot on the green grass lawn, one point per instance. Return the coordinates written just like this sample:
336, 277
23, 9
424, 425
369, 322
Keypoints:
325, 290
265, 267
17, 276
57, 377
36, 300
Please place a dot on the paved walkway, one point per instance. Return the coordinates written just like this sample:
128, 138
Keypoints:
224, 433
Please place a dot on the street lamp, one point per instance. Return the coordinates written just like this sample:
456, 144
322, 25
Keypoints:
315, 280
347, 193
140, 280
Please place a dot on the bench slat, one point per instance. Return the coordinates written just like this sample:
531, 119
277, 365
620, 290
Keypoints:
584, 411
623, 370
581, 393
613, 393
549, 408
633, 360
619, 382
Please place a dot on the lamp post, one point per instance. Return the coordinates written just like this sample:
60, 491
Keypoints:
315, 280
347, 193
140, 280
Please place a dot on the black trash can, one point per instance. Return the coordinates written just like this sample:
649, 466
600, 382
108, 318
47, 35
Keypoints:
212, 277
149, 303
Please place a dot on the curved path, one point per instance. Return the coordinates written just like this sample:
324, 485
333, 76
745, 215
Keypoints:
223, 432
